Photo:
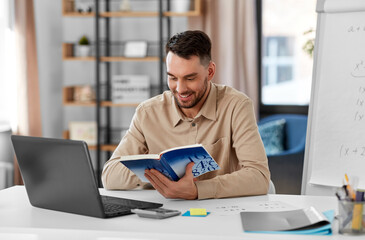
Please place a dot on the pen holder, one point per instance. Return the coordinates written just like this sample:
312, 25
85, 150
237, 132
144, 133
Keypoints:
351, 217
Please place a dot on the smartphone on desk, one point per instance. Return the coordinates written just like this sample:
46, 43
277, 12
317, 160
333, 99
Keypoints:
158, 213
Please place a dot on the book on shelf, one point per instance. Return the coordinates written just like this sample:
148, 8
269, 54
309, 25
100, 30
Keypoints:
172, 162
130, 88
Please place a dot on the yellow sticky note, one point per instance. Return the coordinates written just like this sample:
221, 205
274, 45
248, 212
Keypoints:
198, 211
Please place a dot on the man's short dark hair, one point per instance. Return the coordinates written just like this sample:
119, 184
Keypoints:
191, 43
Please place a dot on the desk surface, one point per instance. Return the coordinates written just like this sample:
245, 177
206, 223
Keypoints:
19, 220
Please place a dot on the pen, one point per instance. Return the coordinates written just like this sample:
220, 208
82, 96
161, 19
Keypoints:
341, 193
345, 189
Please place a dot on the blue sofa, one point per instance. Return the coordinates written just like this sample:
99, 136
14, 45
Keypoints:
286, 167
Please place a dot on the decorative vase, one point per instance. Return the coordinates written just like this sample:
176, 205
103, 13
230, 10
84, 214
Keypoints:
84, 50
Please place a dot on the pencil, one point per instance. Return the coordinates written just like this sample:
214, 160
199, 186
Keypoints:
347, 179
350, 190
357, 212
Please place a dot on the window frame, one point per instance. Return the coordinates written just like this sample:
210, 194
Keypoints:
265, 109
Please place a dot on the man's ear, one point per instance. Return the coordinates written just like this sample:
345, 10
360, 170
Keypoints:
211, 70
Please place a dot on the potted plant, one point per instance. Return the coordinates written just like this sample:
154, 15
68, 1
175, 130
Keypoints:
308, 46
84, 47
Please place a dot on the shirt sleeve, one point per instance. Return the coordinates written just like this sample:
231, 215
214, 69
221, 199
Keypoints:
253, 175
115, 175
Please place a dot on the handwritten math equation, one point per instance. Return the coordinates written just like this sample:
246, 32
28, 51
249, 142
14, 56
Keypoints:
358, 72
356, 28
360, 104
347, 151
359, 69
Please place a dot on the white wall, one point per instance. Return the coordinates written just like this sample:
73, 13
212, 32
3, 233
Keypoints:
53, 29
48, 22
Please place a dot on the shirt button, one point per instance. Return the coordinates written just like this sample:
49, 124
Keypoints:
193, 124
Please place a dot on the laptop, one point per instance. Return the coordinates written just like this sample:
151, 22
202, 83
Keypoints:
58, 175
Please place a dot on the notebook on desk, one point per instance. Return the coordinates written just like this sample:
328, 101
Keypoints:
58, 175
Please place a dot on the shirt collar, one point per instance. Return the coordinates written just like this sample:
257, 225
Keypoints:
208, 109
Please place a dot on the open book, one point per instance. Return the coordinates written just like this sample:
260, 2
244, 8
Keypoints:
172, 162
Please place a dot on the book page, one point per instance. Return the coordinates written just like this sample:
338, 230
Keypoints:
141, 156
181, 147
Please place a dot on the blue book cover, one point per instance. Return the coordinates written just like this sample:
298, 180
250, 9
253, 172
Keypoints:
172, 162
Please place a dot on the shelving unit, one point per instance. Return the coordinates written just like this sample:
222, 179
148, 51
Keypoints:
68, 10
103, 147
68, 100
68, 54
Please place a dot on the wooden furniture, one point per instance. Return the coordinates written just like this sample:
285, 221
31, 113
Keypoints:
103, 106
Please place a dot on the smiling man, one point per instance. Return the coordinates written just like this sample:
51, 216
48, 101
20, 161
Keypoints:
195, 110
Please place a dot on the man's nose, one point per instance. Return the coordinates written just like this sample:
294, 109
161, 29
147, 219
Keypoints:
181, 86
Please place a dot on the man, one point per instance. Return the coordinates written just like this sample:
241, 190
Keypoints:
195, 111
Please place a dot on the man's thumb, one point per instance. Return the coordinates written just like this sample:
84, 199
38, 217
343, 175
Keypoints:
189, 170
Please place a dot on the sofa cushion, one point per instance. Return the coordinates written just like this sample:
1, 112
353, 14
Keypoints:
272, 135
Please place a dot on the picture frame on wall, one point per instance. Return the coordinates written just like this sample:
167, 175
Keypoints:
84, 131
135, 49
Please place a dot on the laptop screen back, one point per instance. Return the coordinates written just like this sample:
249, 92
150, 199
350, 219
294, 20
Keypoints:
58, 175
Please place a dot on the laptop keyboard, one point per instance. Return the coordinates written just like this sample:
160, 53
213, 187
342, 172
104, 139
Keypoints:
112, 208
130, 203
120, 206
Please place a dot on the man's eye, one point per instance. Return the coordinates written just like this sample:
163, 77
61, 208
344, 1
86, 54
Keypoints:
190, 79
172, 78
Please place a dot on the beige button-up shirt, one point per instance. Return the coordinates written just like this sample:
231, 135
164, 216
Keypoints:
225, 125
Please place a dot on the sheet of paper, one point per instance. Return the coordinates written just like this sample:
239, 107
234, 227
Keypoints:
262, 206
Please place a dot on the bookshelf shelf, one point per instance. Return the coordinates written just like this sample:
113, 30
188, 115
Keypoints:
104, 147
68, 99
68, 54
132, 14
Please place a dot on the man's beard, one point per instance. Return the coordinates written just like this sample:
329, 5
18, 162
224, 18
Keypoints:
196, 100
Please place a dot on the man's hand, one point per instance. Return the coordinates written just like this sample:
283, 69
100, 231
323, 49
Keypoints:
184, 188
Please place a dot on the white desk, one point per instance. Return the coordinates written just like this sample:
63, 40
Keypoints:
19, 220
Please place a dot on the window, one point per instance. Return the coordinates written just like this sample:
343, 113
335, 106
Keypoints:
8, 90
277, 60
286, 67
